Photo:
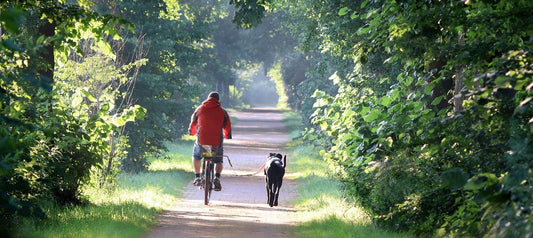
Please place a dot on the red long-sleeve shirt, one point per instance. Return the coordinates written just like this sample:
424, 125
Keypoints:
210, 122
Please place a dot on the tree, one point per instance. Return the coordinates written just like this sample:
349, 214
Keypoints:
46, 151
410, 76
405, 133
185, 60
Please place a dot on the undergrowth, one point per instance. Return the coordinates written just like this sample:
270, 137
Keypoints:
323, 208
127, 208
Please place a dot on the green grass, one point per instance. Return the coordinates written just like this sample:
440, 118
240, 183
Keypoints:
293, 123
323, 210
127, 209
127, 219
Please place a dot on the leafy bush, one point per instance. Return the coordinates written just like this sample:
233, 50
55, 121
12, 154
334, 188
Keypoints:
435, 144
52, 133
65, 153
16, 170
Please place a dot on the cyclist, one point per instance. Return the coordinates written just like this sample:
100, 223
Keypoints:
210, 123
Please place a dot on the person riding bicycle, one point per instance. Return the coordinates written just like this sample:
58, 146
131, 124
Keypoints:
210, 123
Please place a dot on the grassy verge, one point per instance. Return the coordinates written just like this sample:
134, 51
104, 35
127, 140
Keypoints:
127, 209
323, 209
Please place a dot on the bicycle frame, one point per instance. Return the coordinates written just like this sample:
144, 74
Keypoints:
207, 178
208, 171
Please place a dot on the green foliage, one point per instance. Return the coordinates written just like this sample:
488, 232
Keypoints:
50, 146
127, 209
65, 154
190, 47
430, 96
17, 121
323, 209
249, 13
499, 203
91, 89
128, 219
424, 107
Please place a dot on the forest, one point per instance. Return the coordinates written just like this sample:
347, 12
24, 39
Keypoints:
423, 107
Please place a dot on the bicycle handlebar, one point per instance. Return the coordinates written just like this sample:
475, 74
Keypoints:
212, 155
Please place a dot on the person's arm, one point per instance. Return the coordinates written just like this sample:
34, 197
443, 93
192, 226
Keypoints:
194, 123
227, 125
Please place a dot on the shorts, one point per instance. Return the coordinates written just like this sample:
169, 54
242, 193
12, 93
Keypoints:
197, 155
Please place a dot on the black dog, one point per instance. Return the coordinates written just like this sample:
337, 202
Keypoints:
274, 171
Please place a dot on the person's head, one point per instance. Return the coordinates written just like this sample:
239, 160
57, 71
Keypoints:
214, 94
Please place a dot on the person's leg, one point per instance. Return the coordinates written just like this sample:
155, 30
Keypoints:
197, 164
218, 168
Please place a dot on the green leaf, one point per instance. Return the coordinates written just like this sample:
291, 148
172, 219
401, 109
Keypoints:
408, 80
140, 112
363, 4
76, 101
437, 100
88, 95
343, 11
385, 101
503, 81
429, 88
481, 181
394, 94
105, 108
373, 115
12, 18
371, 13
119, 121
321, 102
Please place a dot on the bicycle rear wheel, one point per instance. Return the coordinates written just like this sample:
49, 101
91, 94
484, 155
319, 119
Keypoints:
208, 186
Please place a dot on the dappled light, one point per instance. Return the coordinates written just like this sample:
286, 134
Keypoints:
239, 209
398, 117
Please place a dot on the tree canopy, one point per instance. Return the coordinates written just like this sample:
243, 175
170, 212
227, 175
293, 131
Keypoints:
424, 108
429, 118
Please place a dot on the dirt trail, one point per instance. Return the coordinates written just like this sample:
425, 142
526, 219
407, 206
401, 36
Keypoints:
240, 209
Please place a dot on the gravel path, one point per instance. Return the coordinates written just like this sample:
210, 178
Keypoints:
240, 209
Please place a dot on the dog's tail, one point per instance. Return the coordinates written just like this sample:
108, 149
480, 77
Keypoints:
285, 161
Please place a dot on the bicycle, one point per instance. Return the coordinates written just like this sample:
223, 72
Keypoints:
208, 171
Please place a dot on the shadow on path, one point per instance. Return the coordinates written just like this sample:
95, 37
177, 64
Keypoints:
240, 209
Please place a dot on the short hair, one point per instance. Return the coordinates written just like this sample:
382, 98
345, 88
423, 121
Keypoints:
214, 95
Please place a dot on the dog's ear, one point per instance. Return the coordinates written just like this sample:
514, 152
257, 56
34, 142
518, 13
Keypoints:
279, 156
285, 161
272, 155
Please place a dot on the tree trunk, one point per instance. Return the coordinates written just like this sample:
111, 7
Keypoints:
47, 54
442, 87
46, 74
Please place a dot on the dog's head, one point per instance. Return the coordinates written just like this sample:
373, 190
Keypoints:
277, 155
280, 157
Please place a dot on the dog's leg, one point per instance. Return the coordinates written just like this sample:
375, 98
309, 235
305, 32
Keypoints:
272, 195
276, 193
279, 182
267, 185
